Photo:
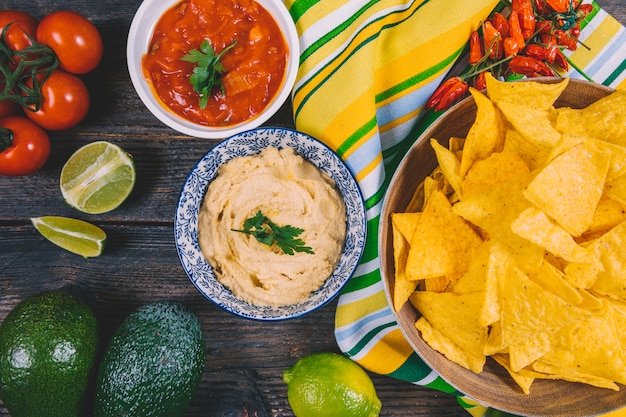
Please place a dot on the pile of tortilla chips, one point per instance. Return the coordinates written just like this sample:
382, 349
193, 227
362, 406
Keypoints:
515, 246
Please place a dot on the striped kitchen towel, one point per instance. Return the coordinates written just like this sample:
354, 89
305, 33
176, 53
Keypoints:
366, 69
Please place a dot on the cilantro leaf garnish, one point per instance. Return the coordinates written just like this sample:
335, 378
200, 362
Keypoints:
269, 233
208, 71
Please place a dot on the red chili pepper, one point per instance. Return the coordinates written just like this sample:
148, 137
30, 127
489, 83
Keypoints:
451, 91
559, 6
540, 5
529, 66
511, 47
544, 26
527, 19
493, 40
476, 48
516, 29
560, 60
480, 82
564, 38
501, 24
541, 53
584, 10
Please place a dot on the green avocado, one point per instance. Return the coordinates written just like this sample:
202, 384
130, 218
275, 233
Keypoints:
48, 346
153, 364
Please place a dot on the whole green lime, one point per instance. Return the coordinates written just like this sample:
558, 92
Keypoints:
48, 346
330, 385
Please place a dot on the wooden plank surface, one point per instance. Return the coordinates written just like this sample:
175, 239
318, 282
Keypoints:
245, 359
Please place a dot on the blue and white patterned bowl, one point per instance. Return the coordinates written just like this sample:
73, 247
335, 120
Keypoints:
251, 143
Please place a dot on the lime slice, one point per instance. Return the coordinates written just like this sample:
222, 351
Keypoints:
76, 236
97, 178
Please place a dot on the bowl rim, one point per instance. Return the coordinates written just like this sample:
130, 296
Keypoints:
452, 369
139, 37
281, 137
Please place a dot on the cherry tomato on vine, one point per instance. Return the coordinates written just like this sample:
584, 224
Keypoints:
23, 26
65, 102
28, 146
75, 40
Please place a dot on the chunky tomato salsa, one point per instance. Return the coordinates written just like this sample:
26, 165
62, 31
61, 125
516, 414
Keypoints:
254, 67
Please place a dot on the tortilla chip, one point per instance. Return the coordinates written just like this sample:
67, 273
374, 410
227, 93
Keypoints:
609, 213
527, 309
446, 347
535, 95
609, 252
532, 153
523, 378
455, 317
604, 358
494, 209
403, 225
498, 167
534, 124
605, 119
615, 189
569, 187
538, 228
432, 253
449, 165
552, 279
616, 153
486, 135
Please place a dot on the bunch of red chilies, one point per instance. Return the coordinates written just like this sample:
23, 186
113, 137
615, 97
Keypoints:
527, 43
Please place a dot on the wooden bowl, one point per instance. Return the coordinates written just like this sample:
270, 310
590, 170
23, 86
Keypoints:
493, 387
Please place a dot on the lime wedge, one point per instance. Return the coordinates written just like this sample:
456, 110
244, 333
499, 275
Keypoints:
98, 177
76, 236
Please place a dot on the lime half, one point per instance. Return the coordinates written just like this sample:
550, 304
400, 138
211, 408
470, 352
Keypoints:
330, 385
98, 177
76, 236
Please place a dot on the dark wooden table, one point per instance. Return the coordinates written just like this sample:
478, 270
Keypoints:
245, 359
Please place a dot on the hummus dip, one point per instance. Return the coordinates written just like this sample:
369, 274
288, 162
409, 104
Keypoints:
288, 190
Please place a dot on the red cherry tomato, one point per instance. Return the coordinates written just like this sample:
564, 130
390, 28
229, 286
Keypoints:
65, 102
75, 40
23, 28
29, 148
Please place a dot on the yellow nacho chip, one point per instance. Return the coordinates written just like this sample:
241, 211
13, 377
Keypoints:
494, 209
445, 346
533, 154
538, 228
569, 187
604, 358
449, 165
486, 134
535, 125
527, 309
456, 317
498, 167
523, 378
432, 253
535, 95
609, 252
403, 225
605, 119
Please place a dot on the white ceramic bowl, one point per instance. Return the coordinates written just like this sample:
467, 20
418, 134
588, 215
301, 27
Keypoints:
139, 37
250, 143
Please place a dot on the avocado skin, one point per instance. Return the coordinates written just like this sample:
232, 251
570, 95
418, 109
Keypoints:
48, 347
153, 364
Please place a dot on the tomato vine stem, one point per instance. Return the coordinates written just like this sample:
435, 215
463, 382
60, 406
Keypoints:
18, 69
